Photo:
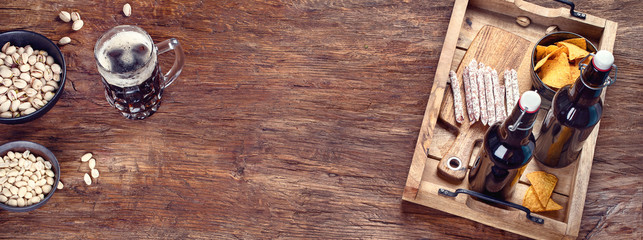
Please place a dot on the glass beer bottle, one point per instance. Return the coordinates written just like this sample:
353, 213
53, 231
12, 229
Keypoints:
574, 112
506, 150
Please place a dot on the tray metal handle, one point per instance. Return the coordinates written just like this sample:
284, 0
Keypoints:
571, 9
448, 193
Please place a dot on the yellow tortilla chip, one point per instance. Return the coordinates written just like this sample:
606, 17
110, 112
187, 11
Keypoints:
574, 52
555, 72
543, 184
541, 51
538, 195
577, 61
551, 49
531, 201
553, 206
580, 42
549, 55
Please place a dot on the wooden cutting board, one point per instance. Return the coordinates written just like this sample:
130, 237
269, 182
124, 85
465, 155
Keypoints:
500, 50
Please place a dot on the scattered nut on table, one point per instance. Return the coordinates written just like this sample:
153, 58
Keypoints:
86, 157
88, 180
25, 178
77, 25
92, 163
64, 41
75, 16
95, 173
28, 80
127, 10
551, 29
64, 16
523, 21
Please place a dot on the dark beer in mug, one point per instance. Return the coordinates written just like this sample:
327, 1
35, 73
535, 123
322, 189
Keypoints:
129, 69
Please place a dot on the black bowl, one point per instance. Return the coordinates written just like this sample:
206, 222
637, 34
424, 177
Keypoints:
22, 38
39, 150
547, 93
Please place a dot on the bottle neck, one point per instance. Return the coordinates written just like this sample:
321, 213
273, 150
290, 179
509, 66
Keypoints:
594, 78
516, 129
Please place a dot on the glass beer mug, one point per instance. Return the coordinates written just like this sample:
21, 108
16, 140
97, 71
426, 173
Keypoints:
127, 61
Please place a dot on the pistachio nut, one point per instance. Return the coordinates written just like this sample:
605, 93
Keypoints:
127, 10
77, 25
75, 16
64, 40
64, 16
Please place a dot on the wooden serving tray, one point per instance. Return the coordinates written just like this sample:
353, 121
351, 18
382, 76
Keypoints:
438, 132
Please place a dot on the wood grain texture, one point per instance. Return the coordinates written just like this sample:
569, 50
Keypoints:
291, 119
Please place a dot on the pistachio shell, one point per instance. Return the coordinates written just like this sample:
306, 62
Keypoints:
64, 16
77, 25
64, 40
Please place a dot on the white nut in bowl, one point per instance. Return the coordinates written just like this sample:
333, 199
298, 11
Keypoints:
22, 184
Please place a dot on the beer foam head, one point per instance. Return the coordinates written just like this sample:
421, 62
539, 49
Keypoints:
126, 59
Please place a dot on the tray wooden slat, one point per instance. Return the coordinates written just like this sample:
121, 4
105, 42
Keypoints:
437, 92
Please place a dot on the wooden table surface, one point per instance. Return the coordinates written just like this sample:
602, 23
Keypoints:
291, 119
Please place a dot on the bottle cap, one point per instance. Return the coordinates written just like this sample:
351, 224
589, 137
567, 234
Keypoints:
603, 60
529, 101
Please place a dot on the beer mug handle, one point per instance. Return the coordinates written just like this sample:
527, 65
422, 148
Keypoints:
179, 60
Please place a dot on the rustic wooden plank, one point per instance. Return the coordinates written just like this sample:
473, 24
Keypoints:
476, 18
579, 192
513, 221
591, 27
472, 209
435, 99
443, 138
291, 119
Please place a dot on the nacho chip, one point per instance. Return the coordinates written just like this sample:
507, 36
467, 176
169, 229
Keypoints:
555, 72
574, 52
549, 55
553, 206
551, 49
531, 201
551, 69
543, 184
541, 51
580, 42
